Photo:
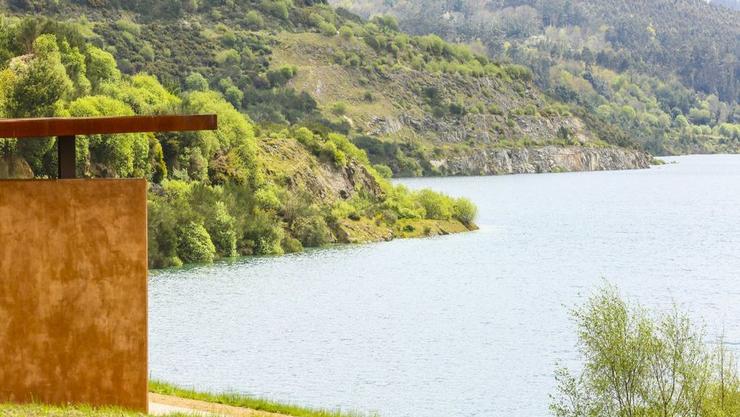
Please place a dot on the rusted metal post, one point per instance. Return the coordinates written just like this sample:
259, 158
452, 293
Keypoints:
66, 157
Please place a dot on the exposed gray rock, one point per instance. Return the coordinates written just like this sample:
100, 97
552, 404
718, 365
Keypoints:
543, 159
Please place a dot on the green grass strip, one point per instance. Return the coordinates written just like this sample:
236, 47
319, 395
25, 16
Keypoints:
245, 401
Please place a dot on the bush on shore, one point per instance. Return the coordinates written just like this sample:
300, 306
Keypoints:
641, 364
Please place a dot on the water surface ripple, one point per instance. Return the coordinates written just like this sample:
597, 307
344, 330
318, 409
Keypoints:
464, 325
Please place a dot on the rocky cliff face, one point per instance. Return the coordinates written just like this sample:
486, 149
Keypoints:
542, 160
291, 164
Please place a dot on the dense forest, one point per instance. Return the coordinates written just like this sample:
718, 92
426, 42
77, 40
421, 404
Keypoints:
242, 189
665, 71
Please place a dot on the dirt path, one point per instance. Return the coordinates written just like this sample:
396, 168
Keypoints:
165, 404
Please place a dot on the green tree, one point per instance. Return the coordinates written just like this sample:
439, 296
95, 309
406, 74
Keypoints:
465, 211
40, 83
101, 67
311, 231
196, 82
277, 8
194, 244
222, 228
436, 206
234, 129
635, 364
254, 19
37, 87
143, 93
121, 156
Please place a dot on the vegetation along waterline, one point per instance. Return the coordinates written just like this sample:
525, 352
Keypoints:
640, 364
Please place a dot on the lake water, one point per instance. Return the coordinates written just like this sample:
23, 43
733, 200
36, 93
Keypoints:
464, 325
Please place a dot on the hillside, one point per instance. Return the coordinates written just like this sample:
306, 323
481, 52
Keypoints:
237, 191
417, 105
665, 71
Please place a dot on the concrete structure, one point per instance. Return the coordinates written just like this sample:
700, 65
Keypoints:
73, 274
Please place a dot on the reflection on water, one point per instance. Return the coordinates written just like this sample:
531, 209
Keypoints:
464, 325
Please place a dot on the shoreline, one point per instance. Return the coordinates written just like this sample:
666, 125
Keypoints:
437, 228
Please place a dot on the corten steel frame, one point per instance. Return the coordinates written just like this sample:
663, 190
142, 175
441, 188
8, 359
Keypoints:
73, 292
65, 129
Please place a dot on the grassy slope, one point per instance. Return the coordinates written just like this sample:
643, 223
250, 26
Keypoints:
399, 113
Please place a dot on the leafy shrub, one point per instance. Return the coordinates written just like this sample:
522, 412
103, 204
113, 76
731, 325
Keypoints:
436, 206
282, 75
125, 155
194, 244
495, 109
291, 245
327, 29
254, 19
221, 227
384, 170
640, 365
228, 57
234, 129
528, 110
342, 210
196, 82
339, 108
700, 116
518, 73
465, 211
263, 235
346, 33
277, 8
101, 67
234, 95
329, 150
311, 231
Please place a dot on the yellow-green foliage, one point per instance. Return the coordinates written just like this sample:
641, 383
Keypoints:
234, 130
101, 67
660, 363
144, 94
126, 155
211, 196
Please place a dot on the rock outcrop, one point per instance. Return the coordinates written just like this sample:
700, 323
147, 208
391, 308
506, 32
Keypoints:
542, 160
287, 161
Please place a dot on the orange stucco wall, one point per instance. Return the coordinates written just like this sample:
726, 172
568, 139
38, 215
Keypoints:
73, 292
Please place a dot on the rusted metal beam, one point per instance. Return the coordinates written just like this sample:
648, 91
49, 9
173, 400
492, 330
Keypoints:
71, 126
66, 157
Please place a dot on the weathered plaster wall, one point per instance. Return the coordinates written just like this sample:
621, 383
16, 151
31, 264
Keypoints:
73, 292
